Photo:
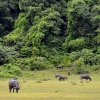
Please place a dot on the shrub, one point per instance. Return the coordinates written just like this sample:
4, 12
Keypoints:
11, 53
26, 51
13, 69
79, 67
39, 63
2, 57
79, 43
75, 55
88, 56
95, 67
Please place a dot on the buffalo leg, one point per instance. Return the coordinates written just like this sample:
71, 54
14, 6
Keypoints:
16, 90
13, 90
10, 89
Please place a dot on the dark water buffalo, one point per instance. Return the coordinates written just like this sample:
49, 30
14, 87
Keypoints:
68, 72
59, 67
14, 84
62, 78
85, 76
57, 75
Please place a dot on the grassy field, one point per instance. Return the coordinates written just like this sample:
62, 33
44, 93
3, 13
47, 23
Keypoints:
42, 85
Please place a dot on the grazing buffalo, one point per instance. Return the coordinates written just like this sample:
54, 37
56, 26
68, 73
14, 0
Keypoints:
57, 75
68, 72
62, 78
85, 76
14, 84
59, 67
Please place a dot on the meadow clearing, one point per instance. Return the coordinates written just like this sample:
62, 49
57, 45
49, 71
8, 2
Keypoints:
42, 85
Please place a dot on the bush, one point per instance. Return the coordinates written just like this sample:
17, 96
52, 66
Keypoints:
89, 57
81, 70
75, 55
95, 67
11, 53
2, 57
38, 63
79, 43
26, 51
12, 69
79, 67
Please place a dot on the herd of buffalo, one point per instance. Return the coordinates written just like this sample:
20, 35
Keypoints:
63, 78
14, 84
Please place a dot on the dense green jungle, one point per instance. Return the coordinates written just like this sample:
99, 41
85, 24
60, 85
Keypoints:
42, 34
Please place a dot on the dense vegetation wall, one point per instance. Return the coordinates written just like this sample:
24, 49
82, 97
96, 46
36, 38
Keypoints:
39, 34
